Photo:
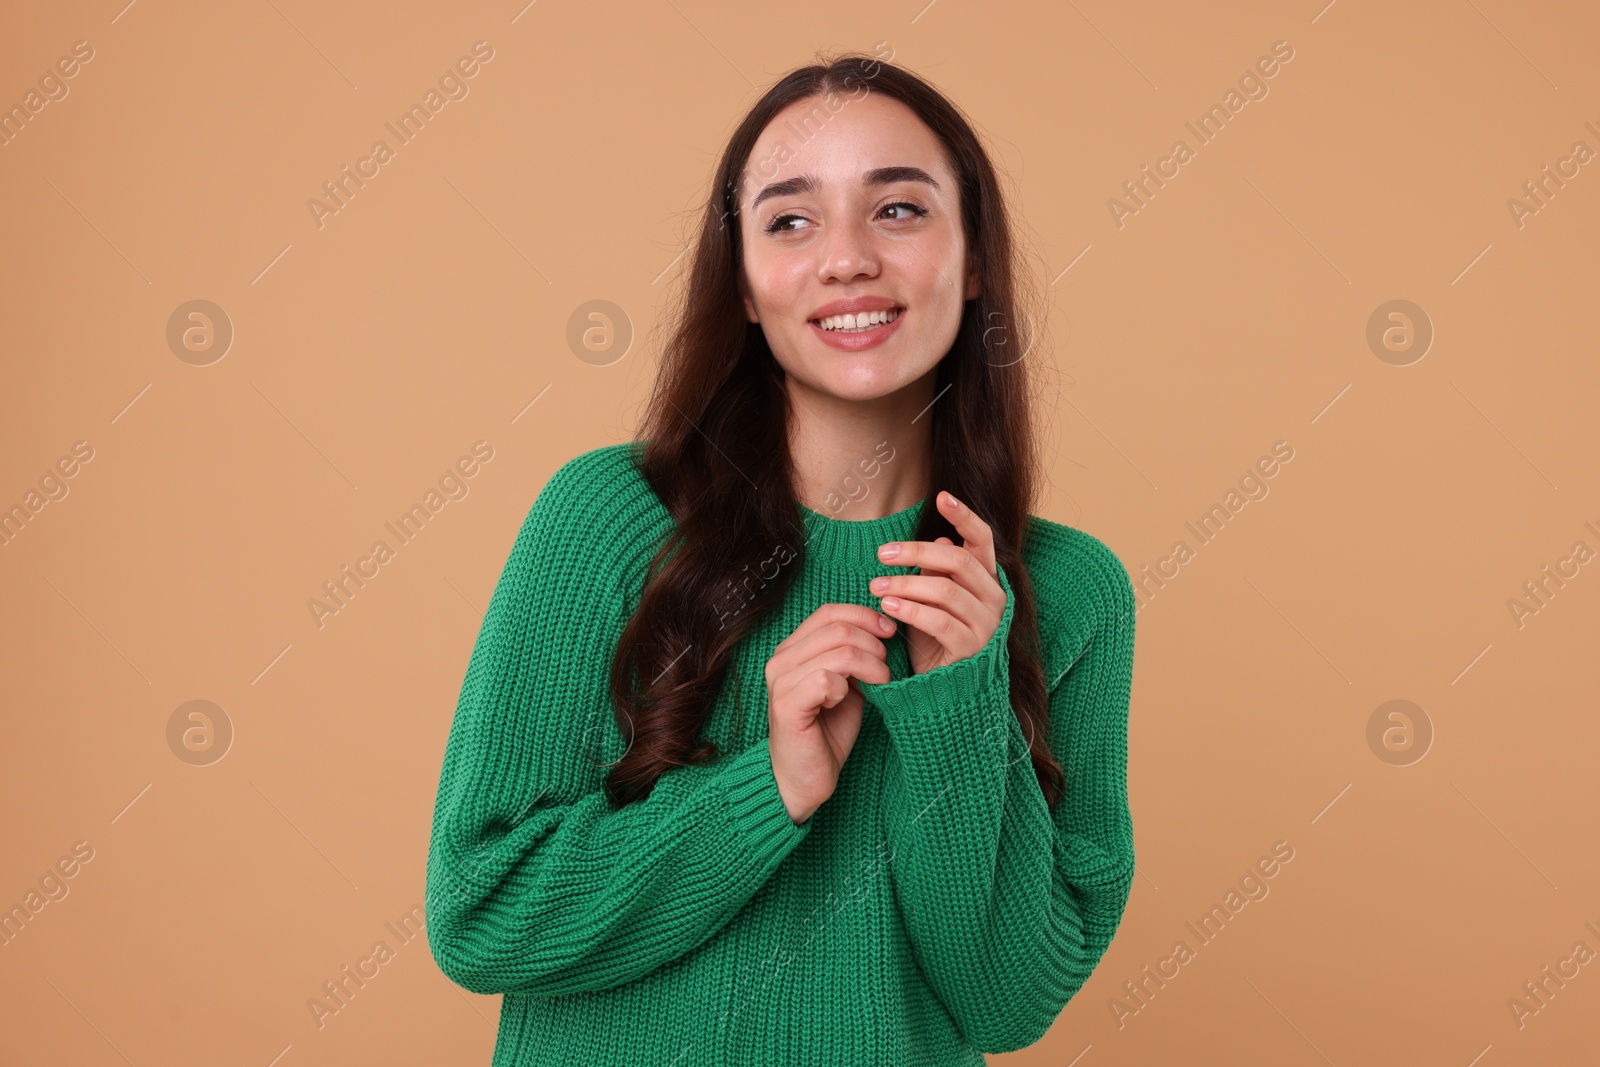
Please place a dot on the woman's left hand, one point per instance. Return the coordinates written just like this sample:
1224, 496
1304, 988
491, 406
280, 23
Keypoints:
952, 609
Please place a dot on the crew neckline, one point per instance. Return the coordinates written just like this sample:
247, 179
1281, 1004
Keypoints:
852, 545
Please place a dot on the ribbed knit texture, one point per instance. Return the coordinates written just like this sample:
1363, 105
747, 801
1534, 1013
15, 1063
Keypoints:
934, 908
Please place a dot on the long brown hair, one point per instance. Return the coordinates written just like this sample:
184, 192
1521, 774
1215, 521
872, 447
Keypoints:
716, 447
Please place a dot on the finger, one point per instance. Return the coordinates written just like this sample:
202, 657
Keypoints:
941, 540
842, 661
810, 682
852, 662
799, 648
953, 561
949, 631
856, 614
820, 688
938, 555
934, 591
802, 642
977, 536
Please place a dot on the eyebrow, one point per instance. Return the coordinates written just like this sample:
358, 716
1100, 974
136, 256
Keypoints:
806, 183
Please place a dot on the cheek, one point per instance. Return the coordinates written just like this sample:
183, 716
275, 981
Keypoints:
777, 282
933, 278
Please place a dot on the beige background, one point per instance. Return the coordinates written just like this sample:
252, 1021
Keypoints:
430, 313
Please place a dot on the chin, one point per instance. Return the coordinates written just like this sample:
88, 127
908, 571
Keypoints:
866, 386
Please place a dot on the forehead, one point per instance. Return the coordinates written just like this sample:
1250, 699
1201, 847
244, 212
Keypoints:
838, 140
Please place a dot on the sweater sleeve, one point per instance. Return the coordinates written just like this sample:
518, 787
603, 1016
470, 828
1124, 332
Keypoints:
1009, 906
535, 883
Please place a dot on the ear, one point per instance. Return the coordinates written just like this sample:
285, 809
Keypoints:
972, 285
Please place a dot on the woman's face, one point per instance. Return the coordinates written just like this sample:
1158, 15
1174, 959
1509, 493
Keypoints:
856, 205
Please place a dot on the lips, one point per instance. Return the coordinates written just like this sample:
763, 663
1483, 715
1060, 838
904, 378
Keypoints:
853, 306
856, 340
863, 320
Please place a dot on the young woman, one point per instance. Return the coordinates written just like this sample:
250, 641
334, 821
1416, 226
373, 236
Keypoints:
790, 736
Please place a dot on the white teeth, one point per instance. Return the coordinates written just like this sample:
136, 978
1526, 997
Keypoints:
856, 323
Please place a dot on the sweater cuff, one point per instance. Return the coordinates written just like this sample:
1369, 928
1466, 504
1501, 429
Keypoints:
952, 685
753, 805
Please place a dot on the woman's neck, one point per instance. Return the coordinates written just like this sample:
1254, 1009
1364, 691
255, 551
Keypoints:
861, 460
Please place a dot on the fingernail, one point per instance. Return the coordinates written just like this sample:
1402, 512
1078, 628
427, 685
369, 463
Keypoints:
885, 624
879, 584
951, 501
891, 603
889, 551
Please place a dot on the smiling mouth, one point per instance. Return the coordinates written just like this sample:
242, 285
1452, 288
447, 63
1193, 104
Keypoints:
861, 322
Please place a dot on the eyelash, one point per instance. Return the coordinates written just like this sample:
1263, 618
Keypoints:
920, 212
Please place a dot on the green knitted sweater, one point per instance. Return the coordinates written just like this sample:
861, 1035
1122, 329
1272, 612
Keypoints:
934, 908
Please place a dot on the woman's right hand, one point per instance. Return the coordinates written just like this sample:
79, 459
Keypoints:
813, 709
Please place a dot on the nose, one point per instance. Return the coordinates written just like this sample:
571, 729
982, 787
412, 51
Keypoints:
847, 253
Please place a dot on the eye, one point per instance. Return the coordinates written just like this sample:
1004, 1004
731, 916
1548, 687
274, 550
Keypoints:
780, 223
777, 224
918, 212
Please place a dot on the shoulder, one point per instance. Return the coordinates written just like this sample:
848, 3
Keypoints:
587, 481
597, 510
1080, 587
597, 490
